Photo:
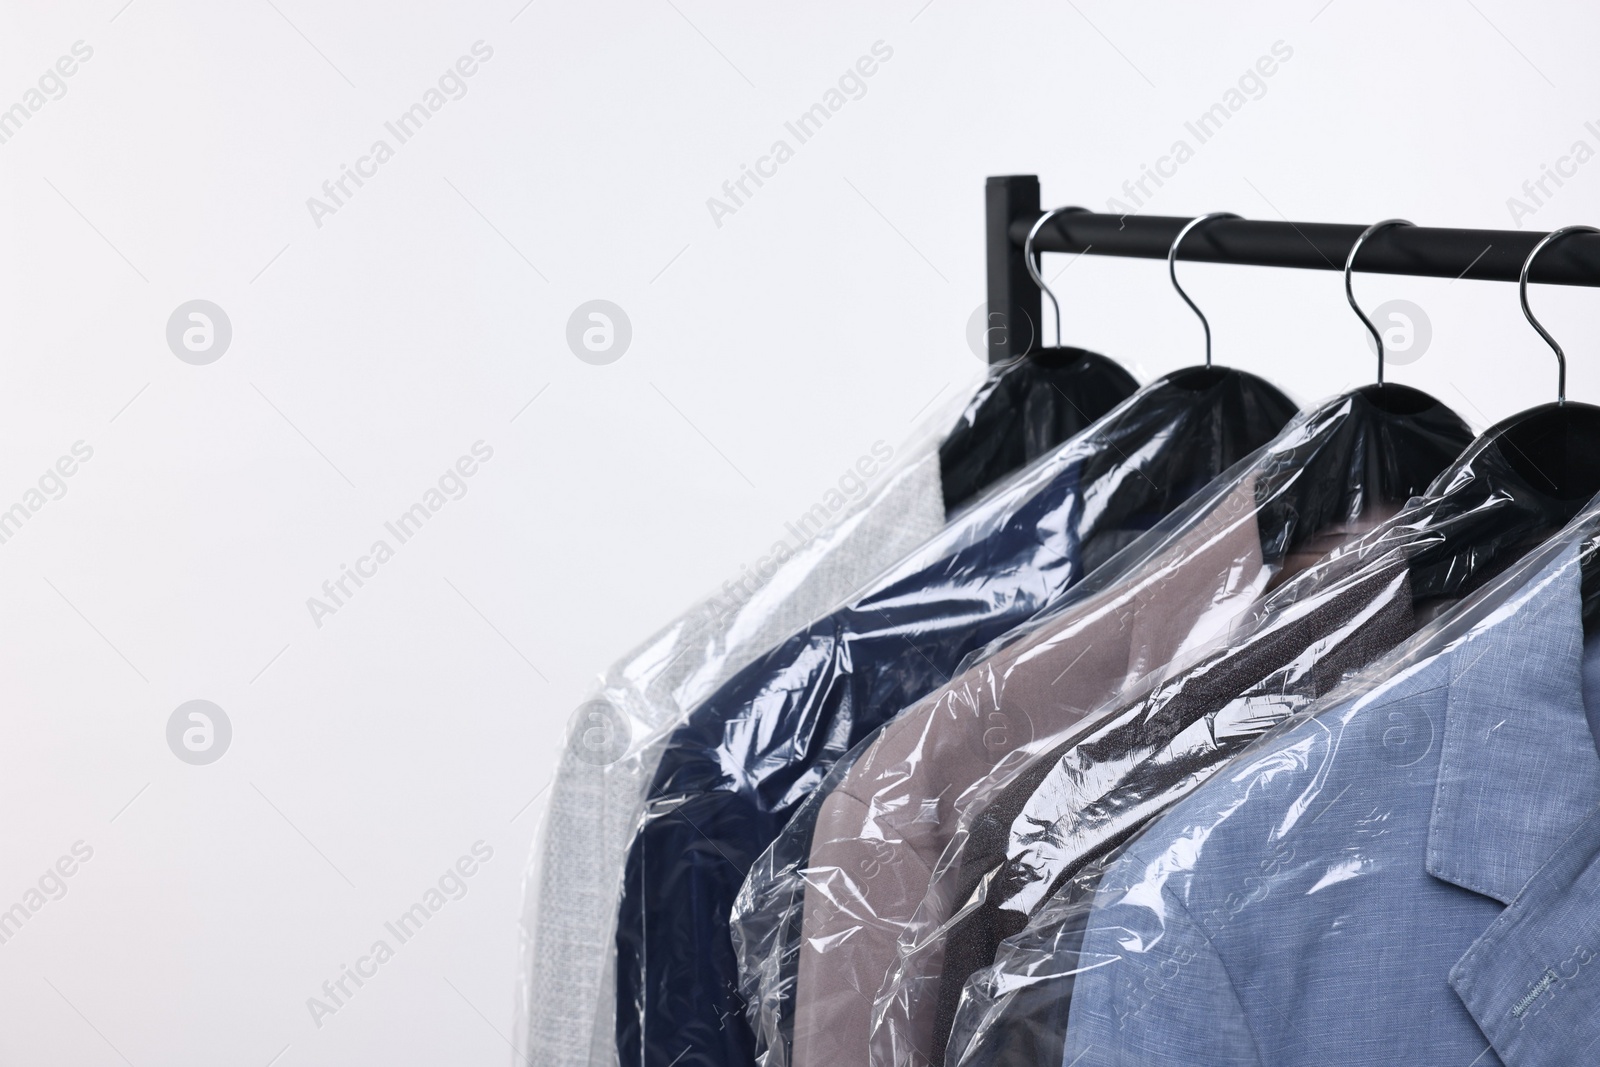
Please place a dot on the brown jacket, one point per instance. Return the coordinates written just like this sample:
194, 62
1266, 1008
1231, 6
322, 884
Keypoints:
880, 832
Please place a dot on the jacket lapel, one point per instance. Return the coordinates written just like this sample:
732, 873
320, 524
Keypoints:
1516, 818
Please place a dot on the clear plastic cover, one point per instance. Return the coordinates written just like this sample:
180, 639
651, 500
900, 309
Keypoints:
820, 918
735, 770
1024, 410
1406, 873
1012, 888
1089, 793
615, 738
890, 502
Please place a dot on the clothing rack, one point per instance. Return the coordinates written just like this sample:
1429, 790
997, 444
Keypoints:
1012, 207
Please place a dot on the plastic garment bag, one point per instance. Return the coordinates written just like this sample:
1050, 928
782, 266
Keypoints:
1043, 830
1407, 872
734, 771
1024, 409
575, 876
1068, 810
857, 862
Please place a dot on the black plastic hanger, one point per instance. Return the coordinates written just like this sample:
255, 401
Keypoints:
1222, 414
1406, 437
1556, 447
1390, 442
1027, 407
1519, 483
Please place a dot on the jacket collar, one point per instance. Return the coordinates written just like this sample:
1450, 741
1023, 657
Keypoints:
1518, 767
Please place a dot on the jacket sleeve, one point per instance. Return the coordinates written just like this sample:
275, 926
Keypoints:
1153, 991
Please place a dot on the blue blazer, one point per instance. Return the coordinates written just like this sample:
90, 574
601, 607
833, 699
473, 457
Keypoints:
1408, 876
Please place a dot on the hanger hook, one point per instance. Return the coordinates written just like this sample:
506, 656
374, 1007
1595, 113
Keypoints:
1349, 292
1033, 266
1522, 293
1172, 269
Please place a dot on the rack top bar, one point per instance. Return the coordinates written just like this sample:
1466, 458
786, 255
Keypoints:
1479, 255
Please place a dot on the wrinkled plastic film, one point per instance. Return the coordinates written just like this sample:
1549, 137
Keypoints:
820, 920
1362, 853
1013, 1012
766, 922
741, 764
789, 884
564, 995
1402, 874
1045, 831
1010, 893
1049, 396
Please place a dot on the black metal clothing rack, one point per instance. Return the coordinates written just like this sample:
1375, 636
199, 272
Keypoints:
1012, 207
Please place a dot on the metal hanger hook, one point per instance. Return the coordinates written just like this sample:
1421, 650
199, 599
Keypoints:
1522, 293
1033, 265
1172, 269
1350, 293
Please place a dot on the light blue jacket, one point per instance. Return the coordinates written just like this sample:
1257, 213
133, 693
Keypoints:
1410, 877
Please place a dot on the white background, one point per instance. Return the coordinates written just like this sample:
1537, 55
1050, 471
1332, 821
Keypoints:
425, 315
